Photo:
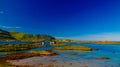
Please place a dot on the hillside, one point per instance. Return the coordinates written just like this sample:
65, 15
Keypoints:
4, 35
31, 37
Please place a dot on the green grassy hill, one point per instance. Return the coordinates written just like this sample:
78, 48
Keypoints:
35, 37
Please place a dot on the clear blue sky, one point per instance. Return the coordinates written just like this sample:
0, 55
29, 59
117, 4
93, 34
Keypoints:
59, 18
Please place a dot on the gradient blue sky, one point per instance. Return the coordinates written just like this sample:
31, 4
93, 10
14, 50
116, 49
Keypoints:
61, 18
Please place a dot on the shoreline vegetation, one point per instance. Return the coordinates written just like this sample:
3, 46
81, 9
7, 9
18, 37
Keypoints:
59, 45
99, 42
106, 42
17, 47
78, 48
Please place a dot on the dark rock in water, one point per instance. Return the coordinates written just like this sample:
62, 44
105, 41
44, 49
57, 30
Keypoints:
4, 35
103, 58
73, 55
113, 52
96, 49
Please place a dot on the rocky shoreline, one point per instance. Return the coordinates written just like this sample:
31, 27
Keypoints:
43, 58
18, 56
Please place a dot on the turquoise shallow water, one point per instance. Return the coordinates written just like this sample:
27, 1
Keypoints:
110, 51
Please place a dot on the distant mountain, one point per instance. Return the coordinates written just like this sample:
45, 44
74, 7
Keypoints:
4, 35
31, 37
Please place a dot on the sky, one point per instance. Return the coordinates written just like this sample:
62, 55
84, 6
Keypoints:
74, 19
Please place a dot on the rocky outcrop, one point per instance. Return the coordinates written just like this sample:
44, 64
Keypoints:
4, 35
24, 55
